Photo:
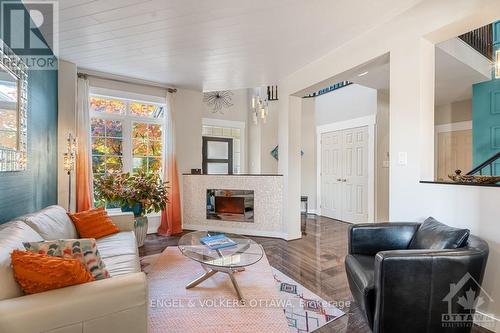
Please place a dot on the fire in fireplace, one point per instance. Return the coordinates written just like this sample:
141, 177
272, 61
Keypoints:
230, 205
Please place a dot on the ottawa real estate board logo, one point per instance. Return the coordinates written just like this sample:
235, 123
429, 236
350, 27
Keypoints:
463, 299
30, 29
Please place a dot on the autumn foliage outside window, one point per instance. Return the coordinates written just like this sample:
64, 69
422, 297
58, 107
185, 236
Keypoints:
126, 135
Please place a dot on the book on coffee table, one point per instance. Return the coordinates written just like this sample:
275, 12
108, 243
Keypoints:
217, 242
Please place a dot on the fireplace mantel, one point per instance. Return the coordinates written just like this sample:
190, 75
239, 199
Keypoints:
268, 201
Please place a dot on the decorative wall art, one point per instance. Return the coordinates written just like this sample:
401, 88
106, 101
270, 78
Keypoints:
13, 111
218, 100
275, 152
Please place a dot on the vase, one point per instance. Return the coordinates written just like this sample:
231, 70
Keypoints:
136, 208
141, 229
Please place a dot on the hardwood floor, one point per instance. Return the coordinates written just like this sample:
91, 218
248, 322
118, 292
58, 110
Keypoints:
316, 261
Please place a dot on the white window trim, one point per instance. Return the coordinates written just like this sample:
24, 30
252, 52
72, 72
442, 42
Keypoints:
127, 120
241, 125
119, 94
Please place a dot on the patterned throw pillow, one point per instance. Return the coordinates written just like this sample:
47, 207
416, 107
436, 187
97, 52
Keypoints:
85, 250
50, 248
37, 273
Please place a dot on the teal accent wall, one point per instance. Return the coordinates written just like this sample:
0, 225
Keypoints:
486, 122
30, 190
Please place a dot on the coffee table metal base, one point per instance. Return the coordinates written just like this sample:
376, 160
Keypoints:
210, 271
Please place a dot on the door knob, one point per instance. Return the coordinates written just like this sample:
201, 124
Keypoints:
339, 180
344, 180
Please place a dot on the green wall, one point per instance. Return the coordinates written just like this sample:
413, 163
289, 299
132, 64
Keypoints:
27, 191
486, 116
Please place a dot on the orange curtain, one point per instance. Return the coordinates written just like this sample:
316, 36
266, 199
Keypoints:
84, 195
171, 218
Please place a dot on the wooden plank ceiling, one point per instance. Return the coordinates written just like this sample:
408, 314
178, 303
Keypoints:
212, 44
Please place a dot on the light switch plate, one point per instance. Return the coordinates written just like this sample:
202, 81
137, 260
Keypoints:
402, 158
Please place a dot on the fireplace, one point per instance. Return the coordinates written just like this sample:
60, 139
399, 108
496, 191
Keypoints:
230, 205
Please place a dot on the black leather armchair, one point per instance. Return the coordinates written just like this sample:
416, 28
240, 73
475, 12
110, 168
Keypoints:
402, 290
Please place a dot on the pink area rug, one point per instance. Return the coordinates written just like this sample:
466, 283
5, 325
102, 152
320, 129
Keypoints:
304, 310
211, 306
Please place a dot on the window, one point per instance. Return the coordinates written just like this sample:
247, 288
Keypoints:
217, 155
147, 146
127, 135
107, 146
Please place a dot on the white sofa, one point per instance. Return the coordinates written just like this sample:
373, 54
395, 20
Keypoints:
117, 304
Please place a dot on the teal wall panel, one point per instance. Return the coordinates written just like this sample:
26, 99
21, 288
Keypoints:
27, 191
486, 122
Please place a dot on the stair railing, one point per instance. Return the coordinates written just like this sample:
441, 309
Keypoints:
488, 163
481, 40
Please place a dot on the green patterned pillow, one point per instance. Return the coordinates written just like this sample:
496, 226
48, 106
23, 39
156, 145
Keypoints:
84, 249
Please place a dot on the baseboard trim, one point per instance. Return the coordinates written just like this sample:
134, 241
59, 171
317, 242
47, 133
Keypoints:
495, 327
248, 232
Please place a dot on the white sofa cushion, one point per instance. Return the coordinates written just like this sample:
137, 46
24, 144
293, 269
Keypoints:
51, 223
119, 253
12, 236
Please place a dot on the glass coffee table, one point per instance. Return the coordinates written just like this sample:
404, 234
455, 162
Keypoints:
229, 260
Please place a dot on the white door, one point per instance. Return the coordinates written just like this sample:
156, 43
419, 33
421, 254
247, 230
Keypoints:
331, 174
355, 179
454, 152
344, 175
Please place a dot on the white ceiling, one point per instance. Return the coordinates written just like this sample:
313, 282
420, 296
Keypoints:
453, 77
377, 76
212, 44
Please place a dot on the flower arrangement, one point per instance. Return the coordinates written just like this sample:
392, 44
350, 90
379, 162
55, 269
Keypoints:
146, 192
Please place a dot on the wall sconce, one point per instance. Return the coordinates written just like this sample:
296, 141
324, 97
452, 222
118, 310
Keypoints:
69, 161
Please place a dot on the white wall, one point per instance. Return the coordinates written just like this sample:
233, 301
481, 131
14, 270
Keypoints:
188, 111
269, 140
382, 158
308, 146
453, 112
410, 39
353, 101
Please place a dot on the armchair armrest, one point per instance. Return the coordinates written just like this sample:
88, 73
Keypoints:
123, 220
84, 303
415, 284
371, 238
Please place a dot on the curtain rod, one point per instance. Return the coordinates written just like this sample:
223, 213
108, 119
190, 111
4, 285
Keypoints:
85, 75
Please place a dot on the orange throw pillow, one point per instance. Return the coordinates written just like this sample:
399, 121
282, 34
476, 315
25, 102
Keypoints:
37, 273
93, 223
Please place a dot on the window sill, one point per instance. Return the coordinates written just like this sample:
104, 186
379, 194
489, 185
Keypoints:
453, 183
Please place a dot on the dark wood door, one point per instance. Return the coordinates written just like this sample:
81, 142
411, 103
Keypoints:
217, 155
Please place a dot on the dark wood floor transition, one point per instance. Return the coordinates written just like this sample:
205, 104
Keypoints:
316, 261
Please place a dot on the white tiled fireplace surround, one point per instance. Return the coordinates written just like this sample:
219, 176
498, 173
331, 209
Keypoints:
268, 203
